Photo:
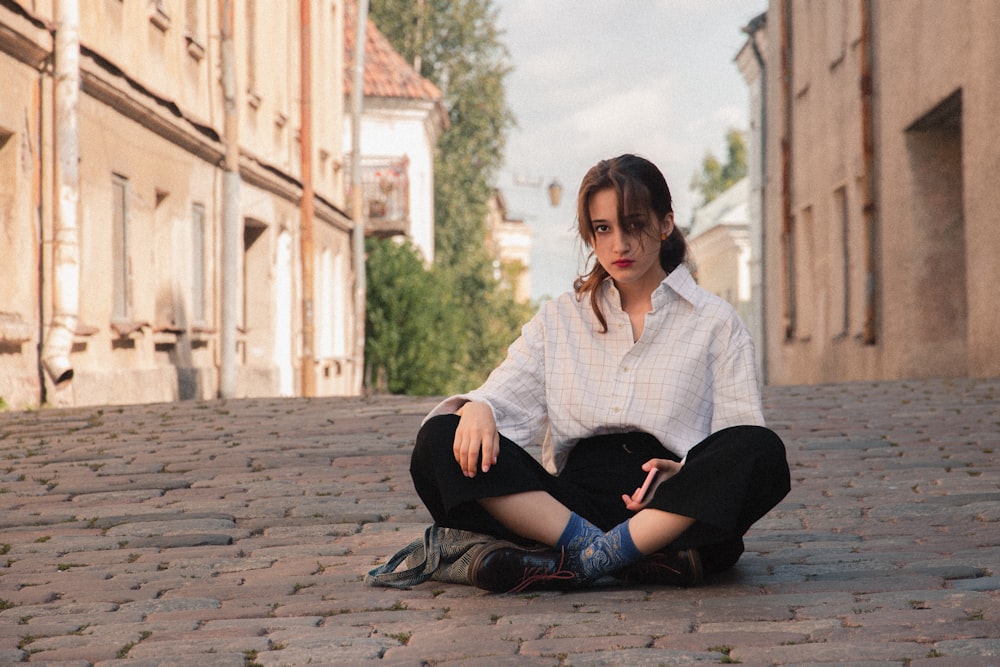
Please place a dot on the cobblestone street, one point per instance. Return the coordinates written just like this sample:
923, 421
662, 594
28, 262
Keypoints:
236, 533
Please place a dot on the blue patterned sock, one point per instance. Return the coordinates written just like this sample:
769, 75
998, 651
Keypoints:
577, 534
609, 553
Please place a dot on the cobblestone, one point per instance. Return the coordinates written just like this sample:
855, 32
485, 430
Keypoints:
235, 533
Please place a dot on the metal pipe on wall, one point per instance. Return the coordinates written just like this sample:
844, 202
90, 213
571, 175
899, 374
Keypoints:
66, 229
306, 241
869, 205
38, 208
788, 272
231, 227
357, 198
760, 296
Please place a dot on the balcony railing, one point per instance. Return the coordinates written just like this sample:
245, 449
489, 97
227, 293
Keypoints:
385, 183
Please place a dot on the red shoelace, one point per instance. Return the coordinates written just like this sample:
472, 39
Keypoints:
537, 575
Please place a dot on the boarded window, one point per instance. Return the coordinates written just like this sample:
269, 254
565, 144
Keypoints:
842, 283
193, 36
198, 263
251, 16
119, 249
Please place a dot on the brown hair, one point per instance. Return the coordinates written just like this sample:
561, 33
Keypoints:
640, 187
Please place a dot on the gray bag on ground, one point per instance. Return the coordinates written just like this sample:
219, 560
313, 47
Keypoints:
442, 554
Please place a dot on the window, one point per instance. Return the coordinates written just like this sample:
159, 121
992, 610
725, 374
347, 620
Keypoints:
339, 303
805, 22
198, 263
121, 292
937, 236
788, 242
332, 306
158, 14
192, 29
805, 268
836, 26
251, 9
385, 183
256, 268
842, 281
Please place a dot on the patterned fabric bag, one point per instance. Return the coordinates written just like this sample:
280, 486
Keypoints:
442, 554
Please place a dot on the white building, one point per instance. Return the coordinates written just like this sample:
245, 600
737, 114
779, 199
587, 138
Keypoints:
402, 118
509, 243
719, 242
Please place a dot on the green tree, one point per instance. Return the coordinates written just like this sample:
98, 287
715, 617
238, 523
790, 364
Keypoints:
410, 322
456, 44
715, 177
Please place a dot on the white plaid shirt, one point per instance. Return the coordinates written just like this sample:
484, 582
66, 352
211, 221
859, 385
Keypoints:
692, 372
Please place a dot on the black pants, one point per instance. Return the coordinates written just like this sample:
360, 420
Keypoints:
730, 480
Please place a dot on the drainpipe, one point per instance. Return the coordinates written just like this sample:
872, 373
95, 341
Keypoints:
231, 227
869, 205
762, 160
787, 285
759, 57
306, 241
357, 196
66, 230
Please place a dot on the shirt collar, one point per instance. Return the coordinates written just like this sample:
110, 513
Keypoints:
679, 282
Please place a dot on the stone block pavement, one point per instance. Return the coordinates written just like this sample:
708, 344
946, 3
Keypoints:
235, 533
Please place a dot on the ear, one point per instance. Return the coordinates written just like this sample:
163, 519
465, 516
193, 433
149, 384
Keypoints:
668, 224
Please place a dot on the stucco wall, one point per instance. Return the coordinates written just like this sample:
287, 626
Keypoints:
19, 231
151, 125
935, 236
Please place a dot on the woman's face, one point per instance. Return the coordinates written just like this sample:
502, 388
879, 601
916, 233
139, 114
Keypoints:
629, 249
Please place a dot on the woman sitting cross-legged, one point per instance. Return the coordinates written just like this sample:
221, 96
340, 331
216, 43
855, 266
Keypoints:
637, 370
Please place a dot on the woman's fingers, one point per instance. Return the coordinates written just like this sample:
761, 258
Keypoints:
665, 469
472, 445
476, 437
491, 449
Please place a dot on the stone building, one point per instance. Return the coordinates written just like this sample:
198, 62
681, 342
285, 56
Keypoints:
719, 245
877, 157
114, 132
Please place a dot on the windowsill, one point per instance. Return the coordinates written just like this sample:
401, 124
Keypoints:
194, 48
13, 329
166, 334
159, 17
127, 329
85, 330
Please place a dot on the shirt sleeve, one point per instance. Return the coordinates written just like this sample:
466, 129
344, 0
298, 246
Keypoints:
736, 396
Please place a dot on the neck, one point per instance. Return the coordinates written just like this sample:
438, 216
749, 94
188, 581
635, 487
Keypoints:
639, 295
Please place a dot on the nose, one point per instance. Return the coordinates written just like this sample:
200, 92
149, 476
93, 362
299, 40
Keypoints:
622, 241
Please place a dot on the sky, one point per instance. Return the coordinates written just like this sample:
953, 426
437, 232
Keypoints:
597, 78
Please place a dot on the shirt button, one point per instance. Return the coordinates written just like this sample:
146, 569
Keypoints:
616, 410
625, 369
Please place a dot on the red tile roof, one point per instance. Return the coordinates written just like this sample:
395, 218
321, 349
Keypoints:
387, 74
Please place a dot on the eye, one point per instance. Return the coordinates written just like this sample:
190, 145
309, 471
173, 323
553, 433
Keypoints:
601, 228
632, 224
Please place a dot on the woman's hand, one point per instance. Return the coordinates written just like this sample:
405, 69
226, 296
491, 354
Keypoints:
476, 434
667, 469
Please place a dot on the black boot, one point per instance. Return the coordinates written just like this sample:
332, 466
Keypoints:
504, 567
665, 568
